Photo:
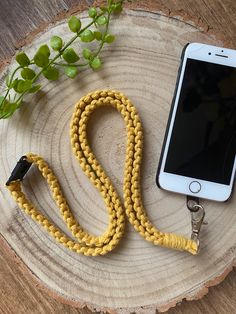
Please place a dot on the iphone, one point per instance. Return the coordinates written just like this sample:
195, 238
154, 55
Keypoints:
199, 148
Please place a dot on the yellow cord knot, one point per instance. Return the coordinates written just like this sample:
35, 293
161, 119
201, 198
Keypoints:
177, 242
86, 243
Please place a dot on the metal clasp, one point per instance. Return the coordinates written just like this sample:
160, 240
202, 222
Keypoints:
197, 217
20, 170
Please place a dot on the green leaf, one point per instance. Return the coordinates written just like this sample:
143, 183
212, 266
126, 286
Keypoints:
96, 63
56, 43
70, 56
41, 57
44, 49
41, 60
87, 36
87, 53
12, 106
10, 109
109, 38
71, 71
102, 20
6, 108
97, 35
28, 74
34, 89
117, 8
22, 59
92, 12
51, 73
74, 24
14, 83
22, 86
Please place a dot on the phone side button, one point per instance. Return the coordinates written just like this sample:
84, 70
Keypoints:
195, 187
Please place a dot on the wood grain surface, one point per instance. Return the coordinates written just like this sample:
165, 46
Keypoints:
220, 300
18, 292
20, 18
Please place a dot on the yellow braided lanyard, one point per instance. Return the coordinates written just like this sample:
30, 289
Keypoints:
86, 243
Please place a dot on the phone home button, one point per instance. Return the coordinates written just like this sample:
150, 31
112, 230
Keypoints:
195, 187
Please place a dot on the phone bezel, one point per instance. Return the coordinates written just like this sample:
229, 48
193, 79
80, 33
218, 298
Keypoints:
180, 184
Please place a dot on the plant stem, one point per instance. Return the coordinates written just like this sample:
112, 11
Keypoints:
11, 79
104, 35
52, 61
66, 46
107, 12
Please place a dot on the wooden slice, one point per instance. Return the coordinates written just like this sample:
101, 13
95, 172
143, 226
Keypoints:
136, 276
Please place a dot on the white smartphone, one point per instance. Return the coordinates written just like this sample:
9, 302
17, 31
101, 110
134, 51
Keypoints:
198, 153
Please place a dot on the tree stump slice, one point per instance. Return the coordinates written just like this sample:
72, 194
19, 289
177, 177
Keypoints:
137, 276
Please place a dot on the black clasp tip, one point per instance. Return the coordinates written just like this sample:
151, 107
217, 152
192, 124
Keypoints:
20, 170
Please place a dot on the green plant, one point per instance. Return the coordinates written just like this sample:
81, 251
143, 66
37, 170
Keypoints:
48, 59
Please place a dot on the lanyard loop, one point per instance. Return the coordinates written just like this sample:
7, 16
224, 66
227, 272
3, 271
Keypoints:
133, 208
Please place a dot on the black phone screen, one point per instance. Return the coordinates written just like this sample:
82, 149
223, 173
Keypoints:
203, 140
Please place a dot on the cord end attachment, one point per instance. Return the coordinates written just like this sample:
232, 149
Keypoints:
20, 170
197, 218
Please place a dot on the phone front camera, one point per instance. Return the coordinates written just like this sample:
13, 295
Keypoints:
209, 53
